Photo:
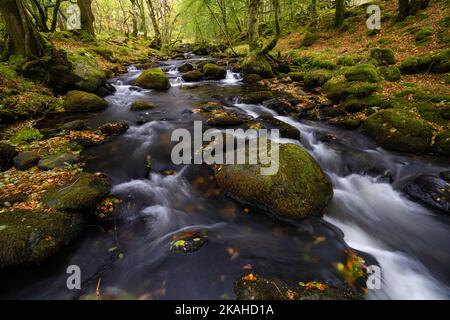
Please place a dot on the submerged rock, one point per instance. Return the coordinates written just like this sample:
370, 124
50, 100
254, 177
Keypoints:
431, 191
279, 105
214, 72
399, 131
154, 79
7, 154
114, 128
26, 160
80, 194
188, 242
186, 67
141, 105
257, 97
80, 101
256, 287
286, 130
223, 119
57, 161
28, 236
299, 189
252, 78
75, 125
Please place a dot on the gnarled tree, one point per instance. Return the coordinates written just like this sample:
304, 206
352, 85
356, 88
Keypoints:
87, 17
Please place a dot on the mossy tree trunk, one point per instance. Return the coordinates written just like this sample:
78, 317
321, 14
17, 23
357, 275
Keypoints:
313, 12
134, 18
340, 13
25, 38
157, 42
87, 17
253, 9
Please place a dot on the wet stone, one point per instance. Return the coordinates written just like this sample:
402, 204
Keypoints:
188, 242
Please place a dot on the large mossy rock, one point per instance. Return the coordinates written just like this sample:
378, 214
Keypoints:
7, 154
299, 189
88, 76
192, 76
438, 63
28, 236
384, 56
399, 130
80, 194
80, 101
154, 79
362, 72
256, 63
214, 72
338, 89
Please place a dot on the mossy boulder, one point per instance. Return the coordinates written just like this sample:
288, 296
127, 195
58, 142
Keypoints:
141, 105
186, 67
80, 101
338, 89
391, 74
80, 194
214, 72
296, 76
362, 72
86, 72
316, 78
192, 76
299, 189
256, 63
424, 36
60, 160
154, 79
353, 105
399, 130
438, 63
309, 39
28, 236
384, 56
7, 154
442, 143
226, 119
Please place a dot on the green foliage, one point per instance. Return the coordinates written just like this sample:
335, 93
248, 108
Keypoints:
309, 39
424, 36
26, 134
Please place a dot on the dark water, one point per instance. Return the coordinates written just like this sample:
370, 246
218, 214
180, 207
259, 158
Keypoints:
409, 242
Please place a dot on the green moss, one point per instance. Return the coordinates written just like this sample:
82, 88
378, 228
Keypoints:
354, 59
362, 89
256, 63
80, 101
299, 188
31, 236
316, 78
153, 79
336, 88
26, 135
439, 63
362, 72
81, 194
86, 70
104, 52
378, 101
353, 105
6, 71
309, 39
438, 113
390, 73
384, 56
424, 36
400, 130
214, 72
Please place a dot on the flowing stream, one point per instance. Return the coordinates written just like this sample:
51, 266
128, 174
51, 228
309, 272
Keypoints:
410, 243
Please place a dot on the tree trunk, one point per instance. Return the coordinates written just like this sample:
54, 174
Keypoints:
55, 15
403, 9
134, 17
313, 12
272, 44
143, 26
42, 15
340, 13
87, 17
253, 9
25, 38
157, 42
